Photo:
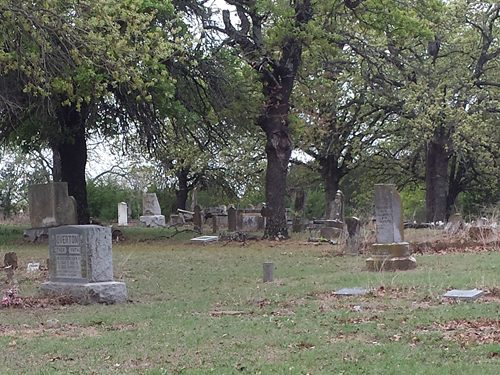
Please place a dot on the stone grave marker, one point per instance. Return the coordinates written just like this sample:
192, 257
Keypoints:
205, 239
197, 218
470, 294
351, 291
215, 227
49, 206
151, 211
122, 214
81, 265
231, 219
337, 207
390, 252
353, 244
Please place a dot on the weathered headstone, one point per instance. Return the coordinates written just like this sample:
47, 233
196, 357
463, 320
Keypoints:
81, 265
353, 244
49, 206
197, 218
151, 210
268, 268
231, 219
337, 207
150, 204
390, 252
122, 214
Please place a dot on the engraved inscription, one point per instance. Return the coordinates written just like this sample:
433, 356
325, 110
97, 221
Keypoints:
68, 258
69, 266
67, 239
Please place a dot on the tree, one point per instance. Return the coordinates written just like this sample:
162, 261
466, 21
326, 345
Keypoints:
270, 38
453, 102
69, 67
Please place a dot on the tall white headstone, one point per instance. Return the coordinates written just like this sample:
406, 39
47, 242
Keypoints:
122, 214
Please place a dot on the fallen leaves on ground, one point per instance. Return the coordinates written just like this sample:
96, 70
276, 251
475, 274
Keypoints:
481, 331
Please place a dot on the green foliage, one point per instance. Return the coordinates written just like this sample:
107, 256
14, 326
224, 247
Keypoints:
413, 200
104, 196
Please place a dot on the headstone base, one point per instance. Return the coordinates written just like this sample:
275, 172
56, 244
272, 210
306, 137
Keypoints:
382, 263
153, 220
108, 292
398, 250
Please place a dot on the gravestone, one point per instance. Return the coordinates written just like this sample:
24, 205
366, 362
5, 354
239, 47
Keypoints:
151, 211
197, 218
337, 207
215, 227
353, 244
150, 204
122, 214
390, 252
81, 265
351, 291
204, 239
470, 295
49, 206
231, 219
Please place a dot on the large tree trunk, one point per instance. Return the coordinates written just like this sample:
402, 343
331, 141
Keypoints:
181, 195
331, 176
278, 151
72, 147
436, 177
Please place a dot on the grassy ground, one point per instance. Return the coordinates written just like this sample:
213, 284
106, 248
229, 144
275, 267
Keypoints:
205, 310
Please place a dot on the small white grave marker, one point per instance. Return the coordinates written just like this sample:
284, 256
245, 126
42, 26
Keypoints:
471, 294
32, 267
351, 292
205, 239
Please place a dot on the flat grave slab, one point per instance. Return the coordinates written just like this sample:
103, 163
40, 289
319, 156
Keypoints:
470, 294
205, 239
351, 292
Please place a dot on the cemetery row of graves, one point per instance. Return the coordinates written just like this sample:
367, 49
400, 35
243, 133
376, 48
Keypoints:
201, 292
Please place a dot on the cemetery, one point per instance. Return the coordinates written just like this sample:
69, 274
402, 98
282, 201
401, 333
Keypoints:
155, 301
249, 187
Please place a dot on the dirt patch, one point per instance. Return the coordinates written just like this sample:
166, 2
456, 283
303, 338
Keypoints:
452, 247
466, 332
52, 328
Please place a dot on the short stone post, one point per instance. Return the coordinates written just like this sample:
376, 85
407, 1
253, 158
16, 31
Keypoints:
268, 268
390, 252
215, 227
